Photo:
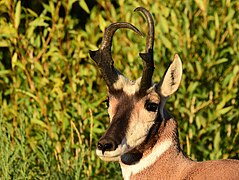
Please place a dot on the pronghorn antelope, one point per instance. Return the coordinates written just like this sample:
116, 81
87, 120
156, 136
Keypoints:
142, 135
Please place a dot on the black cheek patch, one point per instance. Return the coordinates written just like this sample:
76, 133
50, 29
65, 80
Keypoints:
132, 157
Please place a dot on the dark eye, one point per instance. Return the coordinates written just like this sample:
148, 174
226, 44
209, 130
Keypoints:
106, 102
151, 106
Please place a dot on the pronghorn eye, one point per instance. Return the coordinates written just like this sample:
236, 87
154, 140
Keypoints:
151, 106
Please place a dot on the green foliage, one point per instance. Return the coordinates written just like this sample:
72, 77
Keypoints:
51, 93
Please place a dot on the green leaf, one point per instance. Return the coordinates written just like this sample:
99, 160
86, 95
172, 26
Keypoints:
216, 20
164, 24
174, 18
84, 6
39, 22
201, 4
33, 13
225, 110
223, 102
4, 72
216, 141
14, 60
17, 15
102, 23
166, 42
39, 122
230, 15
46, 7
217, 62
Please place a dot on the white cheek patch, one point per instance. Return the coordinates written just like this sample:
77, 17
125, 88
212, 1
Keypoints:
112, 108
140, 123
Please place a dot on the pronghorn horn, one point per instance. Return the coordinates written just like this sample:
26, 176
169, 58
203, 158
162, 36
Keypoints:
103, 57
148, 61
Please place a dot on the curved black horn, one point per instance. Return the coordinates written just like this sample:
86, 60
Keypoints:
148, 61
103, 57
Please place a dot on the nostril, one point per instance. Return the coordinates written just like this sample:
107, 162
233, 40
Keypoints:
100, 146
106, 145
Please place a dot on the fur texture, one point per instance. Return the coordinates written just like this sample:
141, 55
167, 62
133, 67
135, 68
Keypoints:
171, 163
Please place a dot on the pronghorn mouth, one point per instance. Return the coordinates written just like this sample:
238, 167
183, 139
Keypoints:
113, 155
122, 149
108, 155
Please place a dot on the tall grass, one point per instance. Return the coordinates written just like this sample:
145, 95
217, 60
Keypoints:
51, 94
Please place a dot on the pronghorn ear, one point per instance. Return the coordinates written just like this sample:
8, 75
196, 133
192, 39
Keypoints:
171, 80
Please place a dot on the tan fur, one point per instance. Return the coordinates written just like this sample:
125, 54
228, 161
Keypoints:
173, 164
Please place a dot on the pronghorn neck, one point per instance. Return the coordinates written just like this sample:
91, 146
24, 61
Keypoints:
161, 146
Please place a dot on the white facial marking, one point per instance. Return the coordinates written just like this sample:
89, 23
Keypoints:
109, 155
157, 151
141, 120
129, 87
112, 108
119, 84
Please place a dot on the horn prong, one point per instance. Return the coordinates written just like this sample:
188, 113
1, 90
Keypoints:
103, 57
148, 61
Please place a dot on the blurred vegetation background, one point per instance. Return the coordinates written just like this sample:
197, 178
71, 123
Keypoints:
51, 94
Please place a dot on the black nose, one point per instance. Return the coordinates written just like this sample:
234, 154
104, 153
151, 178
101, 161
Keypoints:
105, 144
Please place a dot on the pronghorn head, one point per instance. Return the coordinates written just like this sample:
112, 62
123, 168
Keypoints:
135, 107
